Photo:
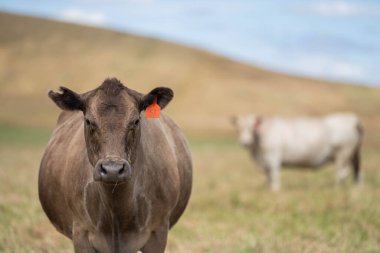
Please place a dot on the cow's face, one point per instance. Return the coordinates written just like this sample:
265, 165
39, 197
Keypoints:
111, 125
245, 126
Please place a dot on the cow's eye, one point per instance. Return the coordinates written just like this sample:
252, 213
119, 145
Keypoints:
136, 123
90, 124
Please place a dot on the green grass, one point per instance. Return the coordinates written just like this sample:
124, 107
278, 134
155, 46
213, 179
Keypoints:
231, 209
23, 135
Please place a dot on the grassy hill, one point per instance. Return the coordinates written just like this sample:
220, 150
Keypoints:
231, 209
37, 55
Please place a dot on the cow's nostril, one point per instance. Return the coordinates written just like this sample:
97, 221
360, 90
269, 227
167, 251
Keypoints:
103, 171
121, 171
112, 171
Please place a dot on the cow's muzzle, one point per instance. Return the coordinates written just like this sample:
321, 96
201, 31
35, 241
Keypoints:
112, 170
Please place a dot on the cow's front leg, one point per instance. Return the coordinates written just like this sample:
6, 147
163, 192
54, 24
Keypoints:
81, 241
273, 176
157, 241
272, 170
82, 244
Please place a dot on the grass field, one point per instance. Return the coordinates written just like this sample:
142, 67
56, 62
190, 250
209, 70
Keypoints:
231, 209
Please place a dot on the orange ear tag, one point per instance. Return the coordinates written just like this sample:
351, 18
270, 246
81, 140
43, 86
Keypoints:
153, 111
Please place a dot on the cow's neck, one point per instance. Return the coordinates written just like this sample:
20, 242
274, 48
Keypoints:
110, 206
119, 196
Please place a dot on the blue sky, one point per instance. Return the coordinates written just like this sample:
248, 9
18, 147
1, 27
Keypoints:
327, 39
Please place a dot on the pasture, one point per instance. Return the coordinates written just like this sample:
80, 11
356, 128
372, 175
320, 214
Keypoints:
231, 209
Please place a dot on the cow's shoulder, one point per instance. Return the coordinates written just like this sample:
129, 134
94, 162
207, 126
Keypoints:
67, 115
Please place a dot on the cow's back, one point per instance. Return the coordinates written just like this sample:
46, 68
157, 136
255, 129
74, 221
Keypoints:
303, 142
309, 141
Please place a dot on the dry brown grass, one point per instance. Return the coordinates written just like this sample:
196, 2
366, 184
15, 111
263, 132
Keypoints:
231, 209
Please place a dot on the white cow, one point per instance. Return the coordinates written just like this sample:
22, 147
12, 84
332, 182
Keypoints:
302, 142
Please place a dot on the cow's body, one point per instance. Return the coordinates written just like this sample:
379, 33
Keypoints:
124, 217
302, 142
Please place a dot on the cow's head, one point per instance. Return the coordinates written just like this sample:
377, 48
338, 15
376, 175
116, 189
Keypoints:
111, 124
247, 127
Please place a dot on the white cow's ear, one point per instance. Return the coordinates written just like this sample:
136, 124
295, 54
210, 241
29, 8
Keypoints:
162, 94
67, 99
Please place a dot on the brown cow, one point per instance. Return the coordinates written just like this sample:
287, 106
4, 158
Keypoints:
110, 179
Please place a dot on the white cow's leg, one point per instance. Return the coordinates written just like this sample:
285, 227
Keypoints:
342, 162
275, 183
342, 173
272, 169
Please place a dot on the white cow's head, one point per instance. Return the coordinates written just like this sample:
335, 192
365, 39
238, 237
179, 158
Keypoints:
246, 126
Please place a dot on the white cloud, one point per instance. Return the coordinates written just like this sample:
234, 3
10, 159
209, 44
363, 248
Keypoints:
342, 8
327, 67
83, 17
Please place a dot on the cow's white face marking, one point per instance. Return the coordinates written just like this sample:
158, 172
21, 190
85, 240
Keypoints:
245, 126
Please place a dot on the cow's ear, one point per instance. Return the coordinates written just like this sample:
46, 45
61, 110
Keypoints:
163, 95
67, 99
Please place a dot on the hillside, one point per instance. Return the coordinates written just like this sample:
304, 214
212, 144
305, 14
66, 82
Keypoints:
37, 55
